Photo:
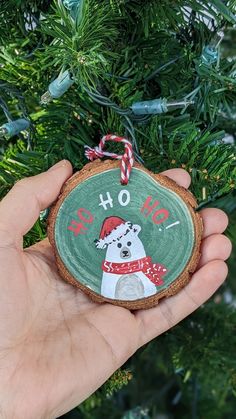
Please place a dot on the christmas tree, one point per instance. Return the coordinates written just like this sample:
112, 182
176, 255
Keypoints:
162, 74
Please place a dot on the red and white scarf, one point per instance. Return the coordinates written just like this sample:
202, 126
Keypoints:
154, 271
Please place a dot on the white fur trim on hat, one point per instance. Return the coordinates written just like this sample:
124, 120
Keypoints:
116, 234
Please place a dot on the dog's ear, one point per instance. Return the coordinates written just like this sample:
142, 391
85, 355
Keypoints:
136, 228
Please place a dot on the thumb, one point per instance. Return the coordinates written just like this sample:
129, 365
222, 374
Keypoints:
20, 208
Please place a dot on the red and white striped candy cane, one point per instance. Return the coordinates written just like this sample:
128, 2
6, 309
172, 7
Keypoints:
127, 159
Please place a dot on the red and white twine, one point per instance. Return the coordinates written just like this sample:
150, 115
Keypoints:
127, 159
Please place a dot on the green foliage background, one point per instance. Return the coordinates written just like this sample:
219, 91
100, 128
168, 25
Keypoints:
120, 52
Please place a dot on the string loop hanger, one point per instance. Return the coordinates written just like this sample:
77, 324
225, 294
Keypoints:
127, 159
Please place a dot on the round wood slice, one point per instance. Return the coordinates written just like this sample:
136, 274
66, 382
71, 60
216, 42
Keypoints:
129, 245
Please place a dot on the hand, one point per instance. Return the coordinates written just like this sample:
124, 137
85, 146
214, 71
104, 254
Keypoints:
56, 346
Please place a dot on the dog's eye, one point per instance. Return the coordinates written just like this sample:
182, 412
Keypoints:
129, 243
119, 245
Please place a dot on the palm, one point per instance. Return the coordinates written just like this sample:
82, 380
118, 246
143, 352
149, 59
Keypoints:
46, 327
59, 345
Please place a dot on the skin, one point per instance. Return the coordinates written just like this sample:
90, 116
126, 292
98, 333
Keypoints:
56, 346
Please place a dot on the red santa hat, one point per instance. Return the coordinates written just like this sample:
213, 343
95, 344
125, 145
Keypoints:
113, 228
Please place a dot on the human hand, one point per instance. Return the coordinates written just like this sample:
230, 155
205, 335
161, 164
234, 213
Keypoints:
56, 345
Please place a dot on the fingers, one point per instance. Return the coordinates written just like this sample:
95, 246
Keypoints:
21, 207
214, 247
205, 281
214, 221
172, 310
180, 176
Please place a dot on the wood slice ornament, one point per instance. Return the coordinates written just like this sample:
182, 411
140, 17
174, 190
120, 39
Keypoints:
122, 234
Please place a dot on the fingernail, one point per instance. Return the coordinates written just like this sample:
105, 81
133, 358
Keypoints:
61, 163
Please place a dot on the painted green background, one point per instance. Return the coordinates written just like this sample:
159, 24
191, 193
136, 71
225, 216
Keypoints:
171, 247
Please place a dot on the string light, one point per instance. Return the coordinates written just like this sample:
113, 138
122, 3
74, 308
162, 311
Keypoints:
210, 53
57, 87
12, 128
74, 6
158, 106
